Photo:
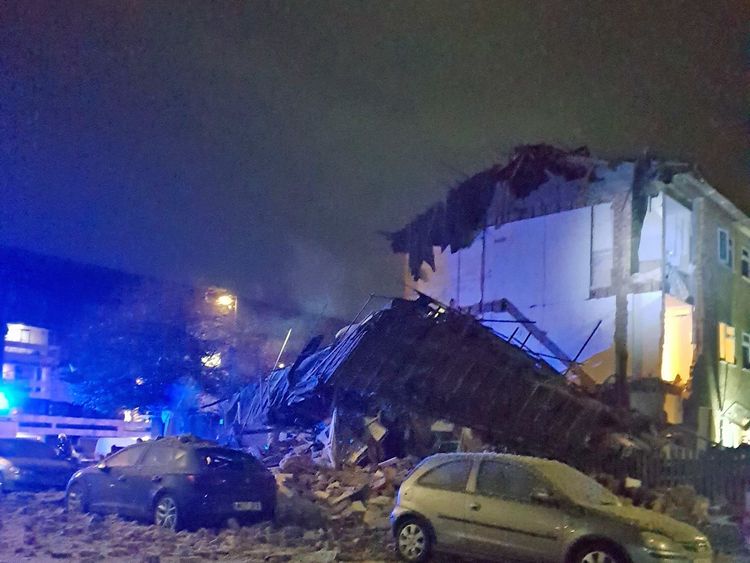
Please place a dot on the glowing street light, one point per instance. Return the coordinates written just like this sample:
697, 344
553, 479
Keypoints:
226, 300
222, 300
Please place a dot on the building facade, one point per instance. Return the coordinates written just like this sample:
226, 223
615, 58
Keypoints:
36, 402
632, 272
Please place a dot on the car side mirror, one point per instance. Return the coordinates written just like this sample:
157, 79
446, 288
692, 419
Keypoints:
543, 496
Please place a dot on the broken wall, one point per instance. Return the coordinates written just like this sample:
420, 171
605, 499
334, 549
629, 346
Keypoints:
678, 348
557, 270
541, 265
644, 334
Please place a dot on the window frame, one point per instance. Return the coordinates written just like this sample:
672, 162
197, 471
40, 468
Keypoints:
723, 330
139, 448
727, 260
597, 253
745, 263
540, 481
745, 349
175, 463
470, 467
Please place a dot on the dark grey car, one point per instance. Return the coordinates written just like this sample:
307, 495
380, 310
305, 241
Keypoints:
30, 464
176, 483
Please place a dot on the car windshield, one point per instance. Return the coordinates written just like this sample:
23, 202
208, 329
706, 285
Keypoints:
26, 448
577, 486
223, 458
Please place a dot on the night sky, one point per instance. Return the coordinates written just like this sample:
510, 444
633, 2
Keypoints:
262, 146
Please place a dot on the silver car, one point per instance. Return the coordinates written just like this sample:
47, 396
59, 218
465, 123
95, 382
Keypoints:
496, 506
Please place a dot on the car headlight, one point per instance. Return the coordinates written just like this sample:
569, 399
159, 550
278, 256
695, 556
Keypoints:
13, 470
658, 544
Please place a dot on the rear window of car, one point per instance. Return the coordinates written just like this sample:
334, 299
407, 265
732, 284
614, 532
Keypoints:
26, 448
222, 458
450, 476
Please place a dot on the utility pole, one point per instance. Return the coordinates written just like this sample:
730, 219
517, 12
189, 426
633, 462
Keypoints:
621, 265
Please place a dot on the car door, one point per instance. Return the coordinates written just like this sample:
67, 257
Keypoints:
140, 480
507, 516
106, 484
442, 499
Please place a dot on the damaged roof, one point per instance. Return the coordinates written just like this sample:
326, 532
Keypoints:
537, 180
439, 362
457, 221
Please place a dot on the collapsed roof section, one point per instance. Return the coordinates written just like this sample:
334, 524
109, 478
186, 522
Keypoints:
537, 180
457, 221
439, 362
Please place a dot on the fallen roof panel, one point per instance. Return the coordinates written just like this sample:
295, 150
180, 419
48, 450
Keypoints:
443, 363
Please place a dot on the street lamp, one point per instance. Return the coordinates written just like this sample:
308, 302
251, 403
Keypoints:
226, 300
222, 300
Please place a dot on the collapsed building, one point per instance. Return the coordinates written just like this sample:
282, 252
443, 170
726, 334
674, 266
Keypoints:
634, 273
418, 368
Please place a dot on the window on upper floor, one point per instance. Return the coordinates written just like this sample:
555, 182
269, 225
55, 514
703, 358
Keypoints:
602, 233
745, 350
726, 248
727, 343
745, 264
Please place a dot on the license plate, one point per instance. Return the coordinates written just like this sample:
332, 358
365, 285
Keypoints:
247, 506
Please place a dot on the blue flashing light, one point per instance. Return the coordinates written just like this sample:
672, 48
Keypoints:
4, 402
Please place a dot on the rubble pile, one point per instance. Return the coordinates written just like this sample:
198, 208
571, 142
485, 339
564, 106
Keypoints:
680, 502
355, 494
415, 363
719, 522
35, 527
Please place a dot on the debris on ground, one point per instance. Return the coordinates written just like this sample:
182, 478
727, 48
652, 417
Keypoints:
35, 527
312, 489
719, 522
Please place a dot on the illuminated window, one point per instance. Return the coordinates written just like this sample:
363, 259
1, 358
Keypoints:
745, 264
726, 248
745, 350
726, 343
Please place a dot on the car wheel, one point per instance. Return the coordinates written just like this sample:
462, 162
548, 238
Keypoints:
166, 513
75, 500
413, 540
598, 553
